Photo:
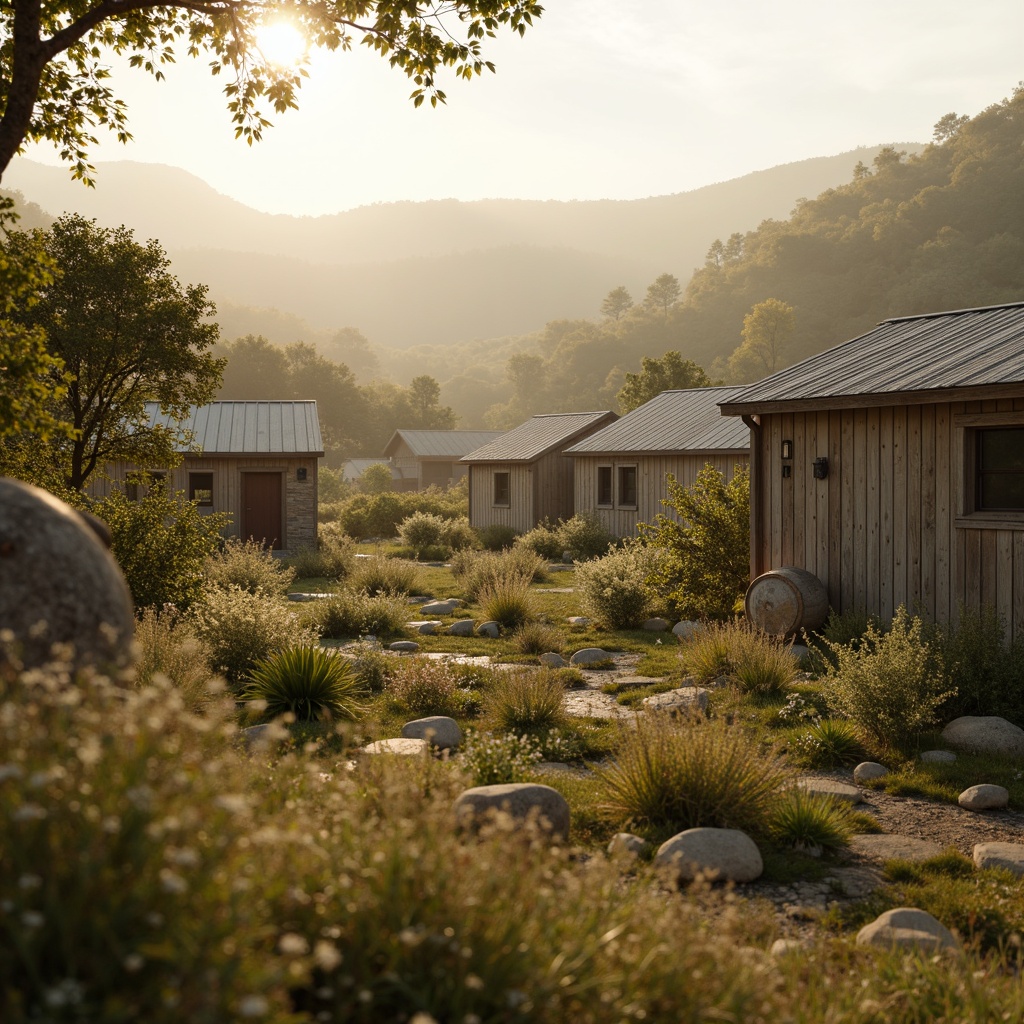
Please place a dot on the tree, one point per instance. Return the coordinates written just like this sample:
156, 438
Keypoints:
54, 78
766, 329
663, 293
617, 302
254, 369
948, 126
127, 333
669, 373
376, 479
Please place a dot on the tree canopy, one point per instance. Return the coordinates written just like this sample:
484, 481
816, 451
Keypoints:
669, 373
55, 87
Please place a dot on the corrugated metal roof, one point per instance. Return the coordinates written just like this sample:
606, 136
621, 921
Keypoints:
674, 421
965, 348
538, 436
248, 428
451, 444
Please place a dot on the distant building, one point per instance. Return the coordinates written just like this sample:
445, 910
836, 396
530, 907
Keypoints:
422, 458
523, 476
620, 471
352, 469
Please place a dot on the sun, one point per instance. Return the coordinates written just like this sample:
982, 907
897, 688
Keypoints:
281, 42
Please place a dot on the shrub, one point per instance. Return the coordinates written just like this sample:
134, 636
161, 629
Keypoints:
844, 628
892, 685
241, 629
248, 565
493, 759
536, 638
543, 540
348, 614
458, 535
478, 571
421, 531
333, 558
809, 821
312, 683
707, 567
425, 686
167, 645
583, 536
497, 536
614, 590
830, 743
331, 485
526, 700
378, 515
676, 773
507, 601
376, 479
390, 576
161, 543
756, 662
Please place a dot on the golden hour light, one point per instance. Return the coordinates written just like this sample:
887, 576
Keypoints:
281, 42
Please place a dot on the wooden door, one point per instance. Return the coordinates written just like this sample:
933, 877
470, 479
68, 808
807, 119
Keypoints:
261, 508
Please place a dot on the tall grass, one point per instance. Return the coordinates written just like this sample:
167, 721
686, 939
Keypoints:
507, 602
389, 576
311, 683
526, 700
167, 645
248, 565
478, 571
756, 662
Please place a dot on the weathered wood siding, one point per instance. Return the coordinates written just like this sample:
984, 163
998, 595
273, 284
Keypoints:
652, 471
552, 488
891, 524
518, 513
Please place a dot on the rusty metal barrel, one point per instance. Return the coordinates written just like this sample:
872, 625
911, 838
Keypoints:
784, 601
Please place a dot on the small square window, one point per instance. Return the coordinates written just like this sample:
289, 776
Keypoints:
604, 485
200, 489
501, 489
999, 462
627, 486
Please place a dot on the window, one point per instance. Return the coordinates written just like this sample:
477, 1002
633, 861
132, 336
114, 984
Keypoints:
627, 486
200, 489
501, 489
999, 463
604, 485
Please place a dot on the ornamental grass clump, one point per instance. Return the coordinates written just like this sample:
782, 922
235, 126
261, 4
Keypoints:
536, 638
829, 743
314, 684
526, 700
379, 575
348, 615
614, 589
167, 645
248, 565
755, 661
507, 602
478, 571
680, 773
333, 558
809, 821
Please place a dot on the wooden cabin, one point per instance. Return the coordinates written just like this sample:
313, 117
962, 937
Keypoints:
523, 476
424, 458
621, 470
892, 466
257, 461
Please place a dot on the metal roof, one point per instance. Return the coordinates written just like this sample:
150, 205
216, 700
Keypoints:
247, 428
449, 444
674, 421
539, 435
922, 355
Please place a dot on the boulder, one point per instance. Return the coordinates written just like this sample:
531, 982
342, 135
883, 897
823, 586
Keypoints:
522, 801
828, 787
440, 607
985, 797
656, 625
786, 947
1007, 856
988, 735
589, 656
578, 620
553, 660
938, 757
490, 628
687, 628
884, 846
464, 627
868, 770
404, 646
683, 701
439, 730
907, 928
427, 628
405, 747
721, 854
625, 844
799, 651
59, 583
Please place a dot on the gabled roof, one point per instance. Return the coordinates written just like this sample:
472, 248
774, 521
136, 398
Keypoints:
540, 435
674, 421
450, 444
247, 428
910, 359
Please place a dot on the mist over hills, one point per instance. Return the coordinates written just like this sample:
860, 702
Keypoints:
438, 272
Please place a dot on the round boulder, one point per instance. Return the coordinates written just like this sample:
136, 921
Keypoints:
683, 701
656, 625
404, 646
589, 656
60, 583
464, 627
985, 797
907, 928
438, 730
937, 757
868, 770
405, 747
490, 628
552, 660
440, 607
720, 854
986, 735
521, 801
625, 844
687, 628
1007, 856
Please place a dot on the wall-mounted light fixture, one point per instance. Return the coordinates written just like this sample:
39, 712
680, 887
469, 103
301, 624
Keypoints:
787, 472
300, 473
820, 467
787, 449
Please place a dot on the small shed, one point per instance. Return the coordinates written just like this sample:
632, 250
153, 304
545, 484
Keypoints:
892, 466
422, 458
621, 470
523, 476
257, 461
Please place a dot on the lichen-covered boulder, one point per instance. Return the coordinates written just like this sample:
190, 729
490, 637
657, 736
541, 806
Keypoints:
985, 735
521, 801
439, 730
908, 928
719, 854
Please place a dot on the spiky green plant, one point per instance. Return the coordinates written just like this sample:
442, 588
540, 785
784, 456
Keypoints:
536, 638
388, 576
313, 683
810, 821
830, 743
526, 700
507, 601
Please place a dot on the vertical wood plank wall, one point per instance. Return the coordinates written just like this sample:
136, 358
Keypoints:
651, 485
518, 513
881, 530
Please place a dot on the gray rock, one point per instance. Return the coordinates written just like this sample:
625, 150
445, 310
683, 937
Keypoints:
1008, 856
427, 628
464, 627
799, 651
441, 607
59, 583
491, 629
907, 928
868, 770
684, 700
687, 628
578, 620
884, 846
298, 596
938, 757
986, 735
589, 656
625, 844
985, 797
439, 730
720, 854
827, 787
553, 660
404, 646
404, 747
786, 947
656, 625
522, 801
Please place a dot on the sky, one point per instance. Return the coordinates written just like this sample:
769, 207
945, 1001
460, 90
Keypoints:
616, 99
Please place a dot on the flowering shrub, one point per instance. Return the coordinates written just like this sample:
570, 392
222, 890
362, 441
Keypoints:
427, 686
249, 565
583, 536
614, 590
495, 758
348, 614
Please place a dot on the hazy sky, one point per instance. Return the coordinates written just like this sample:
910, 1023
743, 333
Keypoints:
602, 99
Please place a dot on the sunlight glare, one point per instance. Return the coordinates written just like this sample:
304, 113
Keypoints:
281, 43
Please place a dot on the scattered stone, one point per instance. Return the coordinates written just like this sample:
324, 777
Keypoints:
868, 770
985, 797
828, 787
682, 701
625, 844
626, 681
427, 628
439, 730
404, 646
441, 607
405, 746
938, 757
907, 928
687, 628
298, 596
656, 625
721, 681
986, 735
1008, 856
522, 801
883, 846
799, 651
786, 947
589, 656
553, 660
556, 590
578, 620
464, 627
256, 736
489, 628
720, 854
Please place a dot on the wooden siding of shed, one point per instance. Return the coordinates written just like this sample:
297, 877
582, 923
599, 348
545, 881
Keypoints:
651, 484
518, 513
884, 528
552, 488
